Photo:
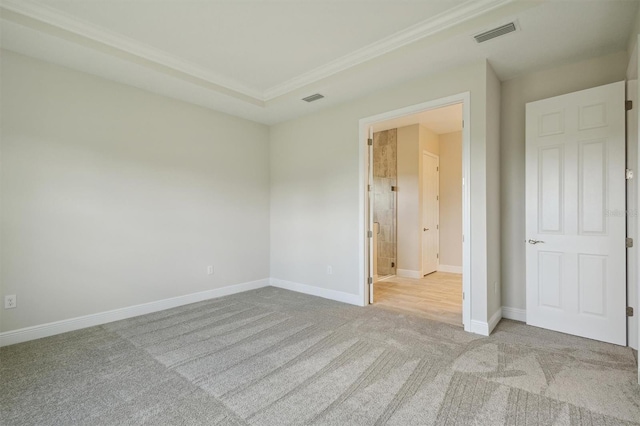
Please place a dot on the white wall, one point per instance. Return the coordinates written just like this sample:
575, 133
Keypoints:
515, 94
315, 210
451, 199
493, 195
112, 196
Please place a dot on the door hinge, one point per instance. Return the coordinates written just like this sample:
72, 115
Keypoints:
628, 105
628, 174
437, 255
437, 226
368, 187
629, 242
370, 280
462, 123
629, 311
394, 188
437, 198
437, 169
370, 142
370, 234
463, 295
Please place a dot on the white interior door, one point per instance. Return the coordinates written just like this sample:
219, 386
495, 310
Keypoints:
575, 213
370, 201
430, 212
632, 219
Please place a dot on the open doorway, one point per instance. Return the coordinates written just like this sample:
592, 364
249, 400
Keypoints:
417, 211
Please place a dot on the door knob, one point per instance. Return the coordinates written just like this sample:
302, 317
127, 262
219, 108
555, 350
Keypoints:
535, 242
426, 229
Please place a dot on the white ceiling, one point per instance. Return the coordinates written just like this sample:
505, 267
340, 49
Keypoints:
439, 120
258, 58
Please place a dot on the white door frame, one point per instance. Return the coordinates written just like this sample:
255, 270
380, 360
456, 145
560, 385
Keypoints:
364, 125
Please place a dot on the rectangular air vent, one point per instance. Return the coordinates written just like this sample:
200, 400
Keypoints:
496, 32
313, 97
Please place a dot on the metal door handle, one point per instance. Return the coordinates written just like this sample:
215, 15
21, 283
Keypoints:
535, 242
426, 229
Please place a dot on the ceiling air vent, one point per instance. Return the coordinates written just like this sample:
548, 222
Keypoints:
313, 97
496, 32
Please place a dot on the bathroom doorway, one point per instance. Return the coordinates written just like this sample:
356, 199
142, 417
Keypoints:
417, 207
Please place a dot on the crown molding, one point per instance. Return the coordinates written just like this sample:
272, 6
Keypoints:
58, 19
464, 12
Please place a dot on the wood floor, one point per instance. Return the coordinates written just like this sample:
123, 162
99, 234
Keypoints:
437, 296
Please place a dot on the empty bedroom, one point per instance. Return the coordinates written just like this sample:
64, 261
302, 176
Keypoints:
296, 212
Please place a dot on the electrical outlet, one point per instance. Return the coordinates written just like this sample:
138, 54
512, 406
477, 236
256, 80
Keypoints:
329, 270
10, 301
210, 270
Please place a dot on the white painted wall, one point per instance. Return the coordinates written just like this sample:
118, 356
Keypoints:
112, 196
493, 196
315, 210
451, 199
515, 94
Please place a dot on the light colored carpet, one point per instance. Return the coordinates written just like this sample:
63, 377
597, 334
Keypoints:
274, 357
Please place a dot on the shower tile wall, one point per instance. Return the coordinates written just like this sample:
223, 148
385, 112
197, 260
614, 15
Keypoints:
384, 208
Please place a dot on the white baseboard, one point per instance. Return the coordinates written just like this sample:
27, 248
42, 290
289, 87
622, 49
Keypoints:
339, 296
408, 273
58, 327
485, 328
515, 314
495, 319
449, 268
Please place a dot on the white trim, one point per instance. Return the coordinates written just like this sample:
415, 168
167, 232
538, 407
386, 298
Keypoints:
467, 10
71, 324
385, 278
479, 327
339, 296
450, 269
56, 18
515, 314
485, 328
364, 123
87, 30
495, 319
408, 273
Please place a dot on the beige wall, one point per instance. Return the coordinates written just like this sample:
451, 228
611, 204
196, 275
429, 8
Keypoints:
429, 141
412, 140
112, 196
515, 94
451, 199
315, 171
409, 247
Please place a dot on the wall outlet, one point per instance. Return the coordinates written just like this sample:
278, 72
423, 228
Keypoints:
210, 270
10, 301
329, 270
